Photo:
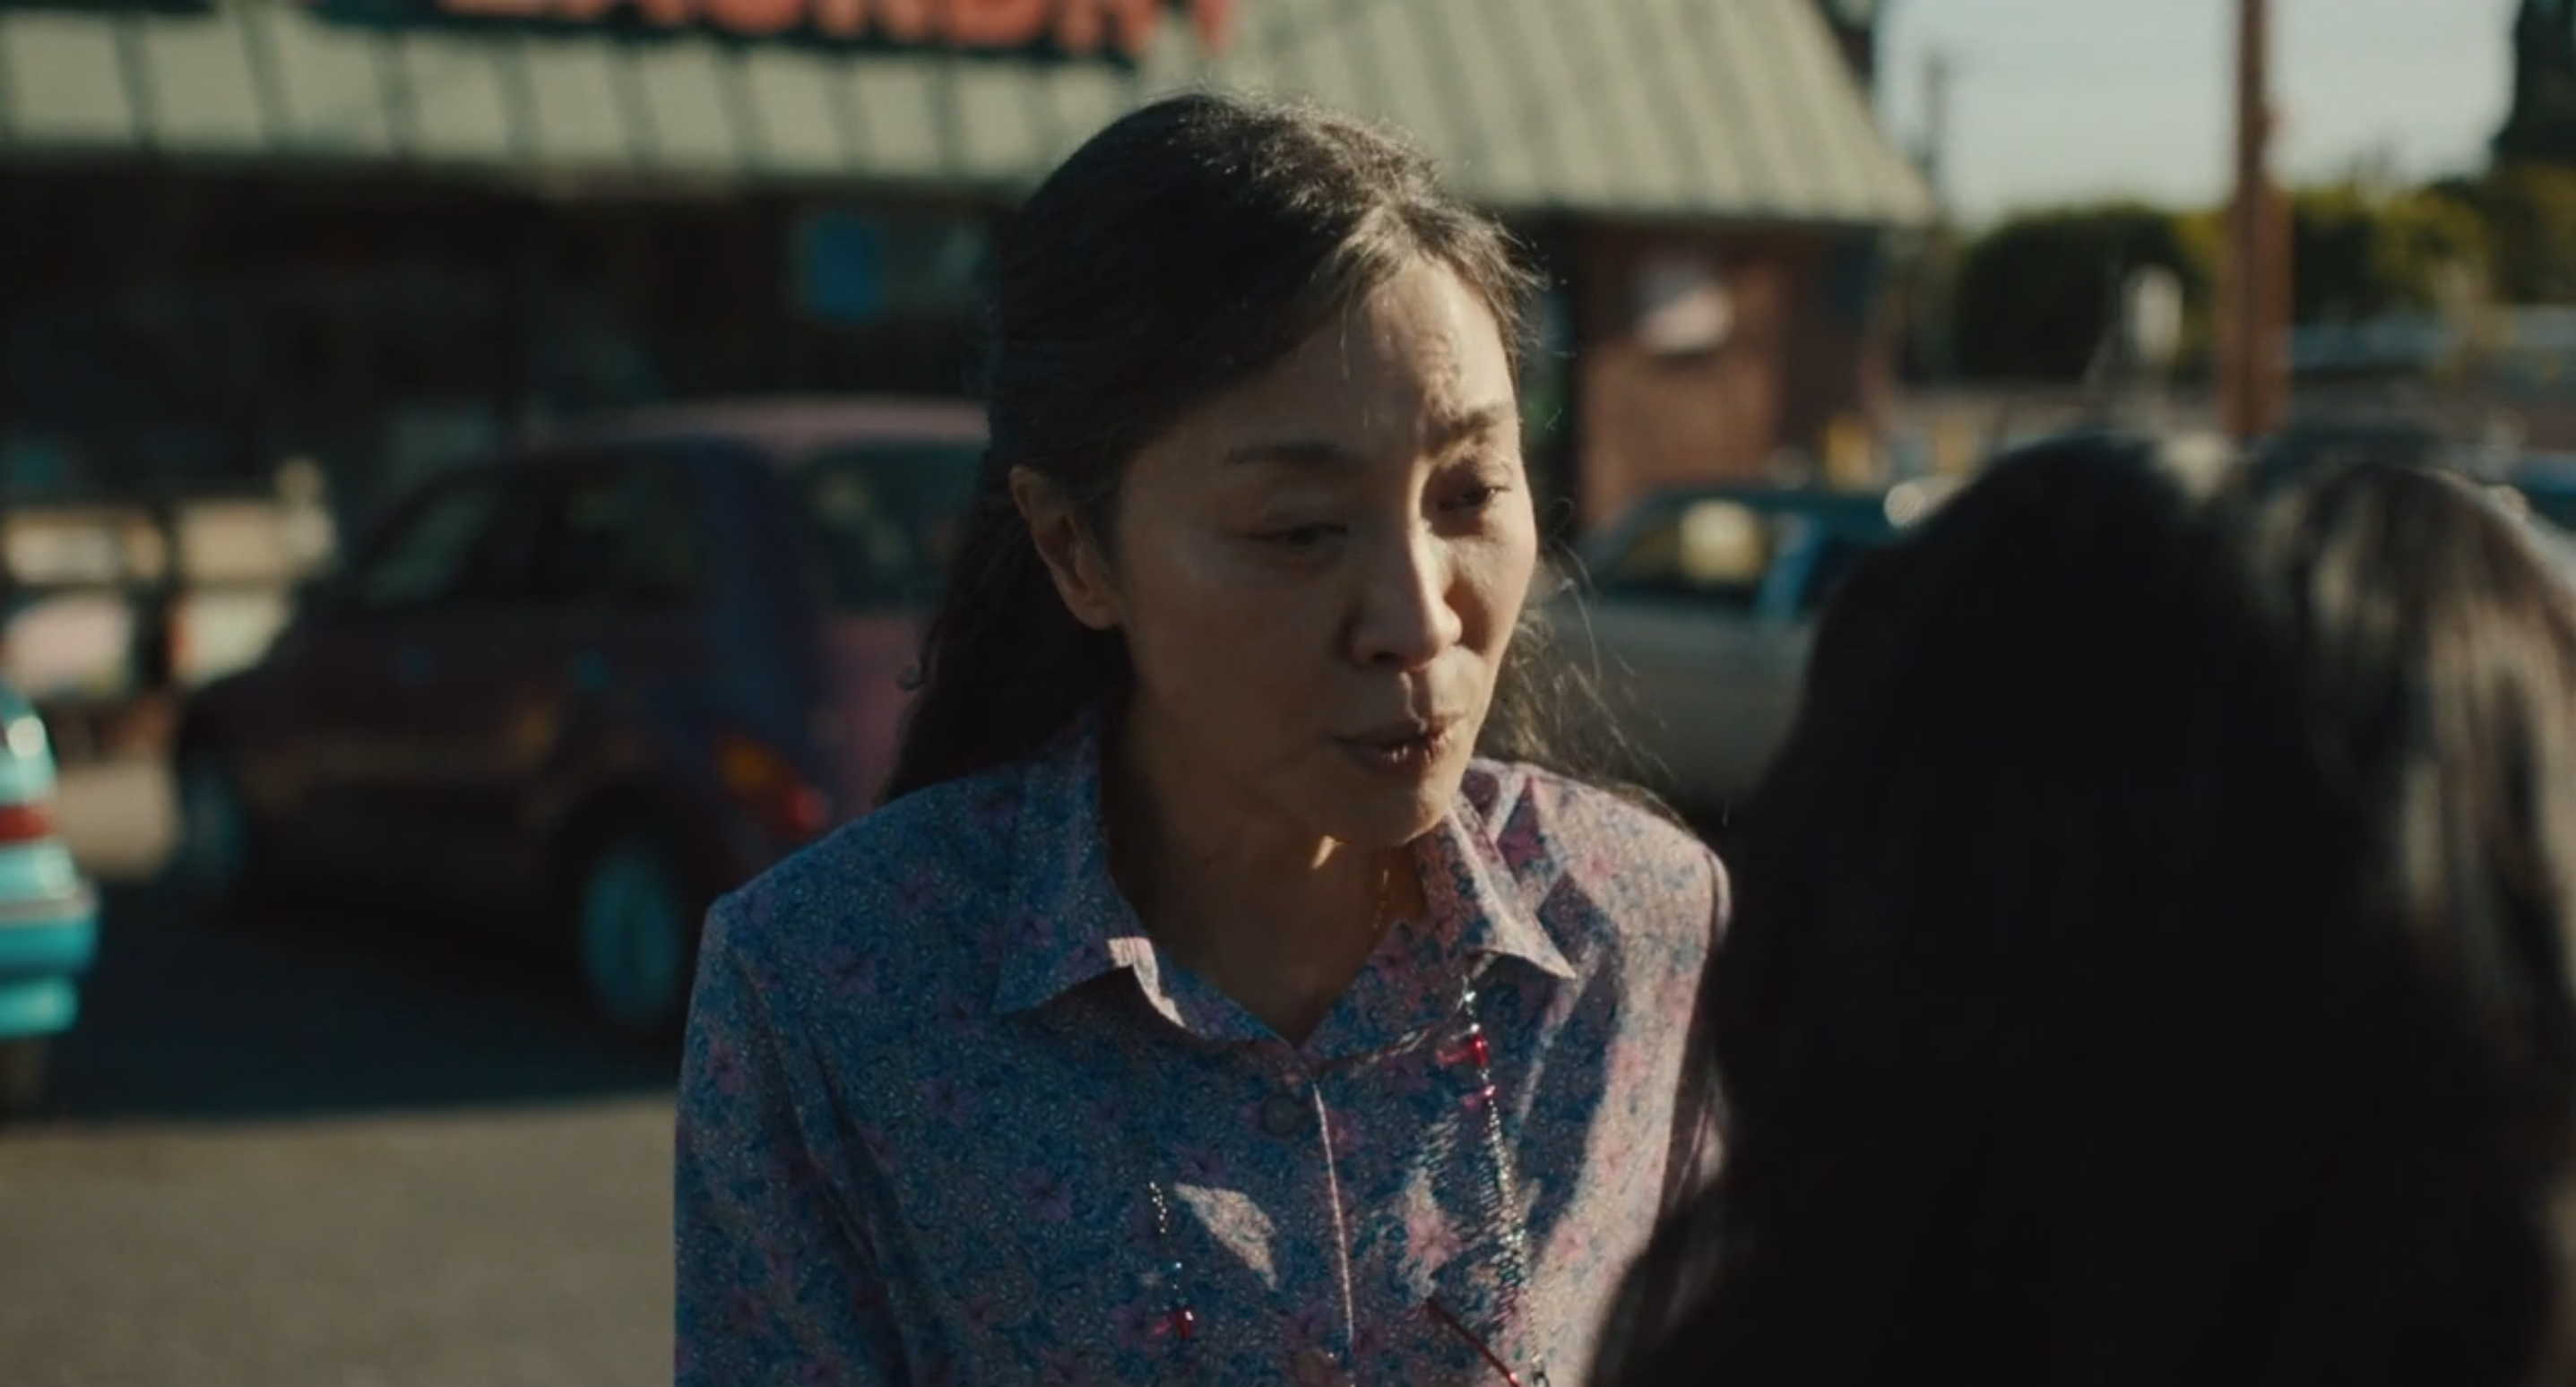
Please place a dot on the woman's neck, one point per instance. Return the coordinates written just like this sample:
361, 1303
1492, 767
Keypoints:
1278, 920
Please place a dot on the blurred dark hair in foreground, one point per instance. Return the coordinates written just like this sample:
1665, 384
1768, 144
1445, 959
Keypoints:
2150, 963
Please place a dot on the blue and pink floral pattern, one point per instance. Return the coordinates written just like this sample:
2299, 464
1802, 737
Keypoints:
935, 1069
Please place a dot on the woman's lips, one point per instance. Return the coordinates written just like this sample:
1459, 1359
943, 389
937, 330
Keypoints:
1407, 749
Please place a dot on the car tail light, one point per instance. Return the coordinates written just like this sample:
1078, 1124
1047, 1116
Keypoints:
26, 823
764, 782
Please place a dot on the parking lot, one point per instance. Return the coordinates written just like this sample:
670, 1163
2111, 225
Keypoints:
345, 1144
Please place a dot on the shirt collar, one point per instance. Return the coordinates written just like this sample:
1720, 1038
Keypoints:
1068, 924
1478, 912
1471, 884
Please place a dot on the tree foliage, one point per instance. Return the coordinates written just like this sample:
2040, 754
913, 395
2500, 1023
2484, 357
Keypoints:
2037, 294
2359, 254
2526, 214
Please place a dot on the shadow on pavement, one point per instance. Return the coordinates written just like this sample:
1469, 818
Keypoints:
327, 1008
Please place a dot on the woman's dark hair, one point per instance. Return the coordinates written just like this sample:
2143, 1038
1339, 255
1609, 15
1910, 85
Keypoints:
1184, 249
2149, 963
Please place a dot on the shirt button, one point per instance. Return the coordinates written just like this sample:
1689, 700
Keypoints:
1282, 1115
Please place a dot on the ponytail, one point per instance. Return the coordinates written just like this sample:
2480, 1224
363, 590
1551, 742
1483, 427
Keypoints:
1004, 665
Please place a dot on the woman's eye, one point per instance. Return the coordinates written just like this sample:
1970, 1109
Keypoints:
1302, 536
1475, 497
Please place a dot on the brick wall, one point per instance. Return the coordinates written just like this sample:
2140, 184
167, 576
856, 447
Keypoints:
1794, 358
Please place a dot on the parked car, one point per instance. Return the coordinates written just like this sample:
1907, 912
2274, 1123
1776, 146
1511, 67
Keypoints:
48, 913
605, 679
2546, 483
75, 580
1699, 606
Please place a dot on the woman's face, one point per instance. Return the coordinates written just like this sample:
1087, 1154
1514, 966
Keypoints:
1318, 572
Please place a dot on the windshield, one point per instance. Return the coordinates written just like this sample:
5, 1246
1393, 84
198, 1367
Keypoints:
879, 521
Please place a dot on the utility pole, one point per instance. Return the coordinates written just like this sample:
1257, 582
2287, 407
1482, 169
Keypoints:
2254, 311
1935, 272
1934, 155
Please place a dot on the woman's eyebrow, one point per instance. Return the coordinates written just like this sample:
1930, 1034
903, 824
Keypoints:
1497, 417
1324, 454
1302, 454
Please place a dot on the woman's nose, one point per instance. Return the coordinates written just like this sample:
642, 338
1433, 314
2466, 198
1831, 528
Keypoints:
1405, 616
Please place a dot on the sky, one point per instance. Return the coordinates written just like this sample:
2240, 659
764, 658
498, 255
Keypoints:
2056, 101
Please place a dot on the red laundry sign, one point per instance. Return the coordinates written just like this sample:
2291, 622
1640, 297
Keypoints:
1078, 27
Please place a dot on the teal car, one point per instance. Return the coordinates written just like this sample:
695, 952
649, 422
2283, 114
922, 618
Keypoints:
48, 912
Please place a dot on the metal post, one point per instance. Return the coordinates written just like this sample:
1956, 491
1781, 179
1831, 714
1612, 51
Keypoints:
2254, 314
1934, 158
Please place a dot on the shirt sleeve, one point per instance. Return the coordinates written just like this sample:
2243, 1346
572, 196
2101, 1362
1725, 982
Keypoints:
776, 1283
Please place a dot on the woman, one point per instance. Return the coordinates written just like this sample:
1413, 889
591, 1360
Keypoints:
2151, 958
1198, 1007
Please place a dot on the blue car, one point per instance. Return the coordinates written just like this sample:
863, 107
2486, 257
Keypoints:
48, 913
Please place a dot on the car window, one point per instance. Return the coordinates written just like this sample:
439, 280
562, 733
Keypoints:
878, 522
430, 554
610, 532
1715, 553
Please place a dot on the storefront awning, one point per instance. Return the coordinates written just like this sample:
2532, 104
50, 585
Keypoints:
1700, 109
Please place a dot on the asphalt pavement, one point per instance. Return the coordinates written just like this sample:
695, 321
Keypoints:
347, 1143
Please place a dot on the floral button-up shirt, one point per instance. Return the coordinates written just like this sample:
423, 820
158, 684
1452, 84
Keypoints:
949, 1116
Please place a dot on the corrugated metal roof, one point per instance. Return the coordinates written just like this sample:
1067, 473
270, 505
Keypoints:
1730, 109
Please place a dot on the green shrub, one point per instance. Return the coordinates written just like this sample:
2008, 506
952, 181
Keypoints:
2037, 294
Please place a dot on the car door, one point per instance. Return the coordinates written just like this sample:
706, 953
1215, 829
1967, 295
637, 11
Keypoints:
1809, 554
356, 742
563, 685
1702, 651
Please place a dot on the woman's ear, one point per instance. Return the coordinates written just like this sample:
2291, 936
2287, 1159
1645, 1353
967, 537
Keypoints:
1073, 554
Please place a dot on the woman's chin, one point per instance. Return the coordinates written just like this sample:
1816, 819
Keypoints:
1391, 815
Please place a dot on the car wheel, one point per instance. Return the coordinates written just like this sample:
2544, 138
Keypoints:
215, 862
638, 933
25, 1065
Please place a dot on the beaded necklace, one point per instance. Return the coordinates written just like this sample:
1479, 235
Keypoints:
1179, 1322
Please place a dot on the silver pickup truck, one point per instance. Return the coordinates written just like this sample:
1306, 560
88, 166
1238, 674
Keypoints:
1698, 608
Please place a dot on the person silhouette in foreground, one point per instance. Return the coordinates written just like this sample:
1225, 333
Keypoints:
2150, 959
